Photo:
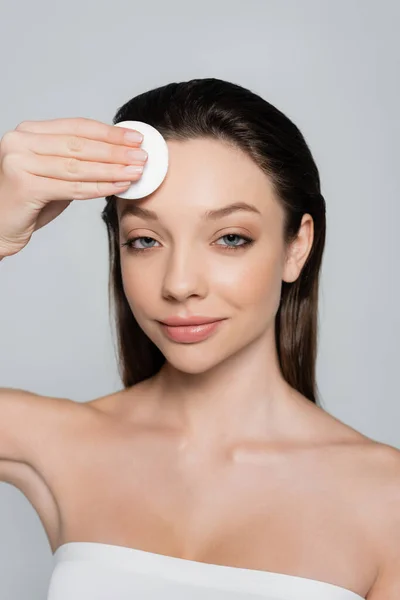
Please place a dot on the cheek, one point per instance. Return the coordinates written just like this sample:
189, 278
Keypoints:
137, 287
254, 283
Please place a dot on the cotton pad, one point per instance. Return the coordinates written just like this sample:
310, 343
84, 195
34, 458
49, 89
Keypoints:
156, 165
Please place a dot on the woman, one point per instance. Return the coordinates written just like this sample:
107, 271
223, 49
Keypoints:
215, 470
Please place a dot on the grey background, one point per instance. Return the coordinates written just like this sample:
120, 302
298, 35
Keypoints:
332, 67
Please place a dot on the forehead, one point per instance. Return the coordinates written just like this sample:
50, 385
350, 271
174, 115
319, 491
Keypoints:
206, 173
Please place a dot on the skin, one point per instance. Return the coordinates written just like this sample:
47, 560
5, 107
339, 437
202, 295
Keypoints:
216, 458
230, 385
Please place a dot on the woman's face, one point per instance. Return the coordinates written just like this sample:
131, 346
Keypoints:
194, 265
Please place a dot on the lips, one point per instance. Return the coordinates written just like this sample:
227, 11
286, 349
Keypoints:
191, 333
187, 321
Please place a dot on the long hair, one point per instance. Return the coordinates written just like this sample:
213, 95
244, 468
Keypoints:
222, 110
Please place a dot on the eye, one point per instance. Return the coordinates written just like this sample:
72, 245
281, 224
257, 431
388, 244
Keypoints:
131, 241
236, 235
247, 242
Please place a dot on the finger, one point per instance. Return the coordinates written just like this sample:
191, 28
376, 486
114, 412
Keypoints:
81, 127
72, 169
55, 189
75, 147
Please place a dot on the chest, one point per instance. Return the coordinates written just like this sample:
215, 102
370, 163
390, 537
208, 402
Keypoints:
274, 512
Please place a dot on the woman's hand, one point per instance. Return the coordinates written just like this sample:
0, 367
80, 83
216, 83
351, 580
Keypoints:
45, 165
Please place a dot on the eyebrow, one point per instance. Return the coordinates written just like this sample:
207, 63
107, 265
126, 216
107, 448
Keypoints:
209, 215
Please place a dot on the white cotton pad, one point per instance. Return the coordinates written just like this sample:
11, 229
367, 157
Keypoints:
156, 165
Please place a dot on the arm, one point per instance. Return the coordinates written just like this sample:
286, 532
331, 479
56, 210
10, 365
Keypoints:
26, 419
17, 408
387, 583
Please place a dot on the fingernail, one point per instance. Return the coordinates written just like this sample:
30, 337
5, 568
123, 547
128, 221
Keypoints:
133, 169
133, 136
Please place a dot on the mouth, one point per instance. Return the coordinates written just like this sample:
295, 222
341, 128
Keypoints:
191, 333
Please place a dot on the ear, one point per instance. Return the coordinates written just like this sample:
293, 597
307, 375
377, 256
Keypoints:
298, 250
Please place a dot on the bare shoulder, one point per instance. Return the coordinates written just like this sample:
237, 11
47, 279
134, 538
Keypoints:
29, 423
384, 507
382, 467
129, 403
386, 478
374, 464
370, 474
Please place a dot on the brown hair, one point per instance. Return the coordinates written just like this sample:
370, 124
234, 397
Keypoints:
223, 110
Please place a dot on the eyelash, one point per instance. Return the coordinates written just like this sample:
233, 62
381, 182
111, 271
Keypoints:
248, 242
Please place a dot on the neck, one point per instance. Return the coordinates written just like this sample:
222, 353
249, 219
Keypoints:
242, 400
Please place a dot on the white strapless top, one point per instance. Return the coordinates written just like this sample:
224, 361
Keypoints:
97, 571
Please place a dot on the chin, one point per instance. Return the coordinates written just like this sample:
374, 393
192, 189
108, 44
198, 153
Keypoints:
192, 365
200, 357
194, 358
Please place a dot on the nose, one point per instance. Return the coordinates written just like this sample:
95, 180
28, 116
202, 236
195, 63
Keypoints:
185, 276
